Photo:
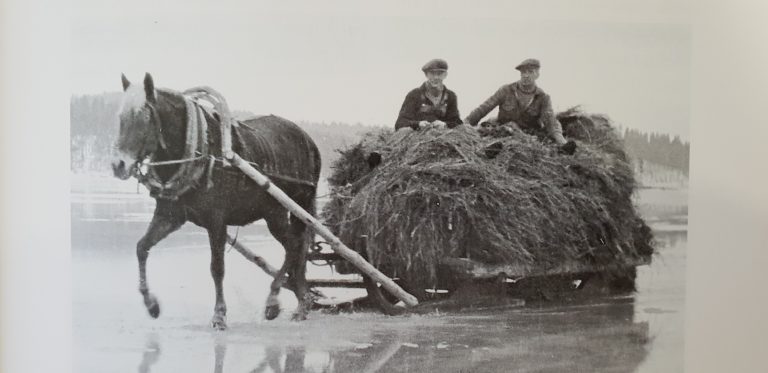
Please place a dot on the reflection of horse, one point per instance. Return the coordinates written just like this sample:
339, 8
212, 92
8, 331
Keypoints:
294, 360
151, 354
161, 125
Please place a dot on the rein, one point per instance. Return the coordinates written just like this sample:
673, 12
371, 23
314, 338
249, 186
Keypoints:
166, 163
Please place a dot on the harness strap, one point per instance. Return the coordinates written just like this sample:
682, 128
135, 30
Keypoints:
158, 127
221, 106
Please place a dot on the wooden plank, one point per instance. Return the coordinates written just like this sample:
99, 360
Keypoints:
471, 269
324, 256
350, 255
336, 283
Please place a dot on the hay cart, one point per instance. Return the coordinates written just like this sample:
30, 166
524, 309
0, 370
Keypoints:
450, 209
386, 290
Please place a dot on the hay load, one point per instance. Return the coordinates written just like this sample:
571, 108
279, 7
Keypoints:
496, 195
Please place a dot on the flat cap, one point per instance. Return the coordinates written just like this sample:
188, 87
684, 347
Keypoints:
531, 62
436, 64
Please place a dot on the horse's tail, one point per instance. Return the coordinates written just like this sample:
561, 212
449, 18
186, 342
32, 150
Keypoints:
312, 204
309, 232
307, 202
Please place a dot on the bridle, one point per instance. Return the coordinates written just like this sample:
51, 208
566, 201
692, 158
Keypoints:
144, 169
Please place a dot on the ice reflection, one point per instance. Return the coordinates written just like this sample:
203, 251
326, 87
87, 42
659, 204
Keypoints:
273, 359
294, 361
589, 337
219, 351
595, 335
151, 354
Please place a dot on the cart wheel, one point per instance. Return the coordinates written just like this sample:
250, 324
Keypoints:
385, 301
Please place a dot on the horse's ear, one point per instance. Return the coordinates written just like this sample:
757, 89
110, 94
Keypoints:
126, 83
149, 87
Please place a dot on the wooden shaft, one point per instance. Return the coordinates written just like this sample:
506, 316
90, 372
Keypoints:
268, 269
253, 258
336, 244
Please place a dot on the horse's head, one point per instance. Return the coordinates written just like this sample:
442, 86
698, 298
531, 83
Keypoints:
139, 127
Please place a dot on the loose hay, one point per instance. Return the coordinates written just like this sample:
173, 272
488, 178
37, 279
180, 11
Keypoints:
438, 194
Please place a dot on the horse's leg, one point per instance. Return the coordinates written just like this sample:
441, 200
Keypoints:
279, 226
164, 222
301, 239
217, 234
295, 237
297, 274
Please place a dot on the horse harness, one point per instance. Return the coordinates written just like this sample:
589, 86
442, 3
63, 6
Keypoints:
197, 161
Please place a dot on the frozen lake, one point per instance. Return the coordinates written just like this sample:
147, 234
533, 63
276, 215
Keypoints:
642, 332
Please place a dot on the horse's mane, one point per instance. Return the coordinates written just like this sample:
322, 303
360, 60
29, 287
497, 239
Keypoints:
133, 98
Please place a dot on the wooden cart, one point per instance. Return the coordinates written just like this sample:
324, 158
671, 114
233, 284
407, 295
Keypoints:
519, 280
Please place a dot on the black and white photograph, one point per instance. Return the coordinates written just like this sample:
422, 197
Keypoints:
256, 186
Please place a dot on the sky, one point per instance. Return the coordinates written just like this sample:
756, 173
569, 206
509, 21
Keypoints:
352, 62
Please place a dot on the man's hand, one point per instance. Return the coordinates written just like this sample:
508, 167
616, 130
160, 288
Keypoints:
568, 148
439, 124
423, 124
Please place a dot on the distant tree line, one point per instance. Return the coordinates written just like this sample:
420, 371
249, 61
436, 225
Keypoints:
658, 148
94, 128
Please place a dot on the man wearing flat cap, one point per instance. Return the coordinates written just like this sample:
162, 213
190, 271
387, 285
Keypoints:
524, 105
431, 104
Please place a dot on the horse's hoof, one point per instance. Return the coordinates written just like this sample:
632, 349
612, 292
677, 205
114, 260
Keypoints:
271, 312
153, 307
219, 323
299, 316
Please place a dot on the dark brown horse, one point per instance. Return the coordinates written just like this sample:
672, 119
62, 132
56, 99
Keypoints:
154, 126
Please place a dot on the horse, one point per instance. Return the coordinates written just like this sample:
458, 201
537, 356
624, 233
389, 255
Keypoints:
157, 124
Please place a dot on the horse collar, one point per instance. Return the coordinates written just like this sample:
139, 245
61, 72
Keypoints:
158, 126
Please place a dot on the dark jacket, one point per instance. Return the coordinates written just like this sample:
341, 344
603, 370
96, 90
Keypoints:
418, 107
538, 116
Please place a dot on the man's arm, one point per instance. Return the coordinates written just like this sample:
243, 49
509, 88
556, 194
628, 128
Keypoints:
452, 118
407, 115
486, 106
553, 127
